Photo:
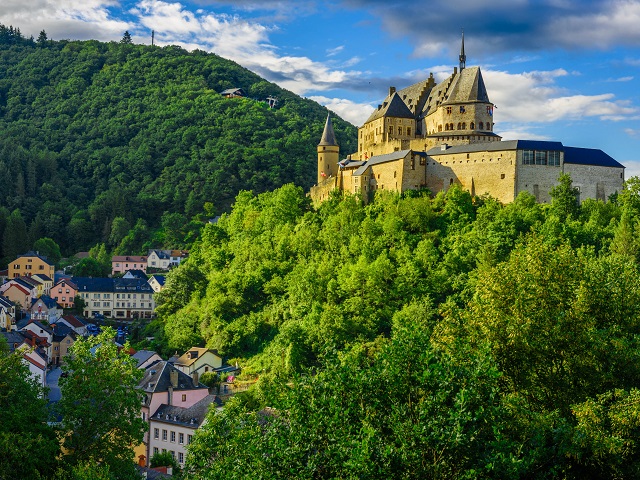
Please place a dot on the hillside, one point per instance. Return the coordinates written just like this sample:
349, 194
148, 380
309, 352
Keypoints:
93, 131
418, 337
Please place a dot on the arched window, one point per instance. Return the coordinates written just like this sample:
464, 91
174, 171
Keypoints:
451, 181
464, 125
439, 128
481, 126
472, 126
489, 126
459, 126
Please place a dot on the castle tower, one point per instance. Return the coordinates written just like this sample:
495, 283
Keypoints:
328, 153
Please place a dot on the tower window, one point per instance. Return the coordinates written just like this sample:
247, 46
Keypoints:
408, 130
481, 126
472, 126
399, 130
449, 110
459, 126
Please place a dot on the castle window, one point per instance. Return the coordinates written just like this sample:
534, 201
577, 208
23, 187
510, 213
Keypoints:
451, 181
527, 157
462, 110
394, 174
408, 130
554, 159
489, 126
390, 128
449, 110
423, 161
481, 125
459, 126
439, 128
467, 155
541, 158
472, 126
502, 176
399, 130
464, 126
413, 163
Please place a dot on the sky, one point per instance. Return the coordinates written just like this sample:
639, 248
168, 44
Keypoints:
561, 70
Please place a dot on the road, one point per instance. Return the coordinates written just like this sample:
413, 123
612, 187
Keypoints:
52, 382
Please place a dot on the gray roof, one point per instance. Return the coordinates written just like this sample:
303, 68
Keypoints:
142, 356
13, 338
392, 106
192, 416
572, 155
467, 86
388, 157
31, 253
157, 378
328, 135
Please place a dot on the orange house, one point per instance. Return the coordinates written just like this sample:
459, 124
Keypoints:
31, 263
64, 292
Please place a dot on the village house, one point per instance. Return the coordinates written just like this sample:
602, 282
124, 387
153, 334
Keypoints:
39, 335
64, 292
199, 360
30, 264
17, 294
145, 358
32, 353
156, 282
165, 259
233, 93
45, 308
63, 339
45, 283
7, 314
123, 298
122, 263
172, 427
74, 322
163, 384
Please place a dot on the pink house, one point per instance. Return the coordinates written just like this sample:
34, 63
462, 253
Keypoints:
64, 292
123, 263
164, 384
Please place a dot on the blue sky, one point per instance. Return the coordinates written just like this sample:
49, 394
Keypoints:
557, 69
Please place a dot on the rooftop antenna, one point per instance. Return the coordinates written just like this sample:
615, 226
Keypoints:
463, 57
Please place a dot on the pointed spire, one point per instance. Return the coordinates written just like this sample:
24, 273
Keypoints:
328, 136
463, 57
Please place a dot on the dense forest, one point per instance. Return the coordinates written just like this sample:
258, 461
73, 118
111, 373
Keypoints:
417, 336
93, 132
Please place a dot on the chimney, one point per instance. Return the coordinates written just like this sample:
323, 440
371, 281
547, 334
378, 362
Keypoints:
196, 378
392, 90
169, 396
173, 375
444, 147
455, 70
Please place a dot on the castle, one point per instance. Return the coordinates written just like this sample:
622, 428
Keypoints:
433, 136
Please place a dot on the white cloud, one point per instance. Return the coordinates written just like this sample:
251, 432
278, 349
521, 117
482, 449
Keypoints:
632, 133
356, 113
334, 51
633, 168
535, 97
244, 42
69, 20
621, 79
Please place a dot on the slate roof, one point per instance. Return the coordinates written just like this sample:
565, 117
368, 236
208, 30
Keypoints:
31, 253
41, 325
27, 283
129, 258
159, 278
161, 254
74, 321
19, 287
89, 284
61, 330
67, 281
467, 86
135, 273
236, 91
142, 356
131, 285
497, 147
328, 135
157, 378
13, 338
186, 359
392, 107
589, 156
5, 302
46, 300
191, 417
388, 157
43, 277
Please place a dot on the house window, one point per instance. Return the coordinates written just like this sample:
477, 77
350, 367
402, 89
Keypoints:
173, 436
173, 454
184, 399
156, 433
541, 158
181, 438
189, 437
180, 457
554, 159
399, 130
164, 435
155, 450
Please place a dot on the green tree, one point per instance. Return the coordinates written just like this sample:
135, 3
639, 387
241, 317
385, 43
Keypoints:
89, 267
164, 459
119, 229
564, 198
100, 405
14, 241
29, 445
126, 38
50, 249
42, 38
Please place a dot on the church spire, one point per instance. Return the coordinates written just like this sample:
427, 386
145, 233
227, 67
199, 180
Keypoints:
463, 57
328, 136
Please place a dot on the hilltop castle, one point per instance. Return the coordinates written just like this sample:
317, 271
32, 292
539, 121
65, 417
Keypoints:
433, 136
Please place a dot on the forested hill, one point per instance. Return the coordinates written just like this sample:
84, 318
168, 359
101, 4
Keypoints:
92, 131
